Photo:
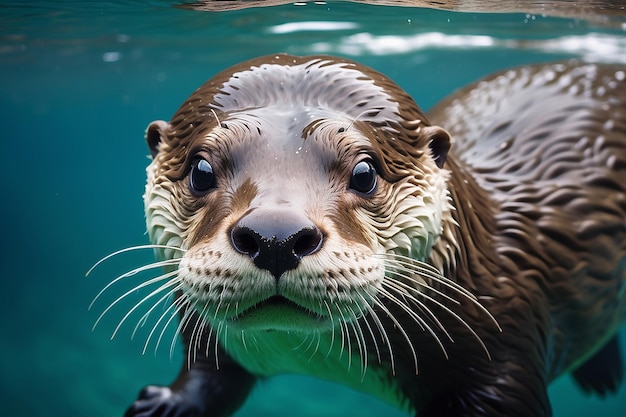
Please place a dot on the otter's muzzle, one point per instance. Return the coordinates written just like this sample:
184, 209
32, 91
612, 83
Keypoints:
276, 239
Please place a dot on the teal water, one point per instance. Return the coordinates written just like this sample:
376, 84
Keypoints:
80, 81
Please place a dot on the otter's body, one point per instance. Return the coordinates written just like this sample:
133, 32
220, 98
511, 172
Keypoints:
317, 224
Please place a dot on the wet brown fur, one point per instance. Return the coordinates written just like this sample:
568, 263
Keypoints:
550, 167
538, 182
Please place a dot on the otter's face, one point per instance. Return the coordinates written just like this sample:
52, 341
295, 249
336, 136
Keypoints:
288, 186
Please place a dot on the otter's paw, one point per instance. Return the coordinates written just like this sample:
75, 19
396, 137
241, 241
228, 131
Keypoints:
156, 401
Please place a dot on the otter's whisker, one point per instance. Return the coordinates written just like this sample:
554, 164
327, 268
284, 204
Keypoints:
131, 273
131, 248
182, 326
444, 281
142, 322
306, 338
424, 266
402, 288
216, 118
317, 345
299, 345
196, 334
366, 314
228, 305
318, 339
384, 335
162, 300
319, 335
401, 329
136, 306
344, 324
473, 332
132, 290
179, 306
190, 354
414, 266
416, 317
208, 341
452, 313
217, 309
243, 340
203, 325
315, 338
410, 267
356, 118
256, 343
158, 322
217, 336
424, 269
401, 285
343, 338
332, 333
360, 338
192, 345
410, 279
462, 322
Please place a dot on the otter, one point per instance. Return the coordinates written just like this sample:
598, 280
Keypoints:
312, 219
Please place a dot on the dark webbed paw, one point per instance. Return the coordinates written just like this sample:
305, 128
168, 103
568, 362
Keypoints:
155, 401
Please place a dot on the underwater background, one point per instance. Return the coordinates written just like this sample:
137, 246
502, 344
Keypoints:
79, 83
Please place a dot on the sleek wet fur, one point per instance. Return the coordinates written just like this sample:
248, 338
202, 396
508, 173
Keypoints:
311, 219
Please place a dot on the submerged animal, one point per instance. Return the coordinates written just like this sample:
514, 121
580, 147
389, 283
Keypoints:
312, 219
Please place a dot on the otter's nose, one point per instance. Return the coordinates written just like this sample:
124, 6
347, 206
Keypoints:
275, 239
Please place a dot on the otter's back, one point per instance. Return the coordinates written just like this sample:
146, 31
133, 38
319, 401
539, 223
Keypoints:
538, 123
548, 144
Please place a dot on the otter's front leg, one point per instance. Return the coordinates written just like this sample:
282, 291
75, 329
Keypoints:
202, 389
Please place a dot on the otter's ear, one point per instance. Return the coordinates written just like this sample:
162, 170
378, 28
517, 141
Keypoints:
439, 143
155, 135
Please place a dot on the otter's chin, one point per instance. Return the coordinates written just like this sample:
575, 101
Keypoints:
278, 313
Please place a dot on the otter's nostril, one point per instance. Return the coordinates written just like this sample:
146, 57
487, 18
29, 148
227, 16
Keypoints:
245, 241
307, 242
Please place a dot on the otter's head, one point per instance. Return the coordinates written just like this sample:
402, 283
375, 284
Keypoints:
289, 183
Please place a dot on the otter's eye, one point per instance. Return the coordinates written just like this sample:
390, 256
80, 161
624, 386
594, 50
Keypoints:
363, 177
201, 178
